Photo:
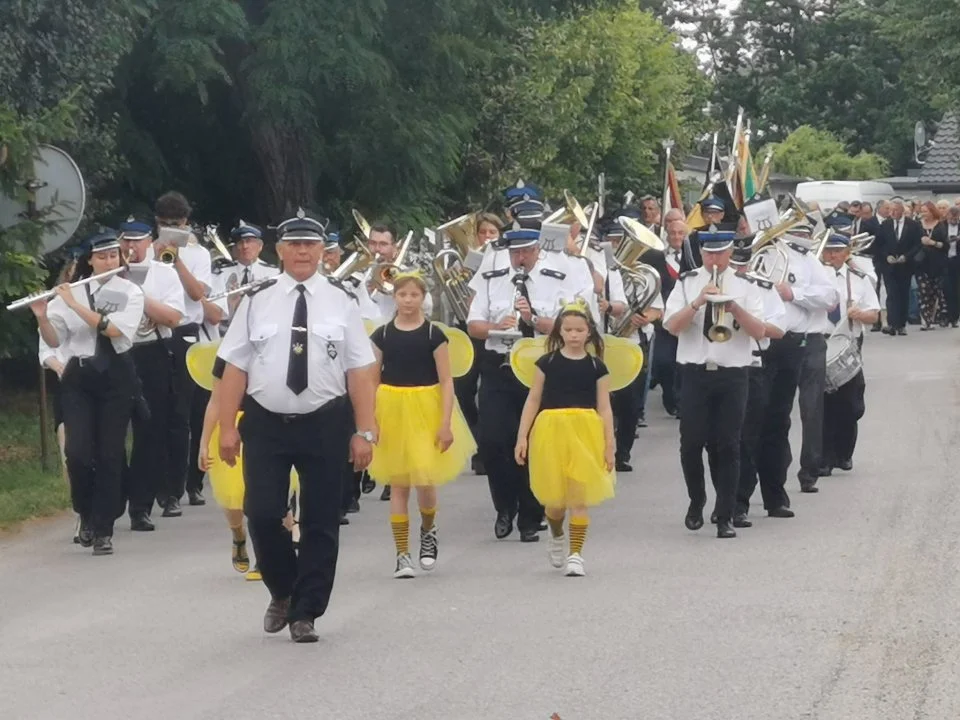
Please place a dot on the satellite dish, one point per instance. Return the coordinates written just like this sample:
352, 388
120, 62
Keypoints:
56, 196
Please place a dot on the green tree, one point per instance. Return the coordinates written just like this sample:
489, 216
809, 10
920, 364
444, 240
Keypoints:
822, 156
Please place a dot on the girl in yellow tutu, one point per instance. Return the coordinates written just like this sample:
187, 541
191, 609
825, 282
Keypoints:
571, 445
423, 438
227, 482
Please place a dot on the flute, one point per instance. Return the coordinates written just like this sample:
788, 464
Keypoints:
30, 299
255, 285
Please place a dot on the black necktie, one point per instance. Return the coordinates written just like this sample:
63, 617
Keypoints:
521, 282
297, 365
246, 276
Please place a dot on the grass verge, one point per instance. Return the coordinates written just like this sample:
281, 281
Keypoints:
26, 490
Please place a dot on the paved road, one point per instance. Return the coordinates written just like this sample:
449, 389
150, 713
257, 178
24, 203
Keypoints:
848, 611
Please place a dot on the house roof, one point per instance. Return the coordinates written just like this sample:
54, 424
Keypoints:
942, 165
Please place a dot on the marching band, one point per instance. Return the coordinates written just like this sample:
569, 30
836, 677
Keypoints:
523, 343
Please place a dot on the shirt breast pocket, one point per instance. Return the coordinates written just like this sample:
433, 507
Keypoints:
261, 335
330, 337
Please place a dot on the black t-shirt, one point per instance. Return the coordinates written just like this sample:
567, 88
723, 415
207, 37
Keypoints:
570, 383
408, 354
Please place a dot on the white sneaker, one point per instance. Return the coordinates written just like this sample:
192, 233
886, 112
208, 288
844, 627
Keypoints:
428, 548
575, 566
557, 550
404, 567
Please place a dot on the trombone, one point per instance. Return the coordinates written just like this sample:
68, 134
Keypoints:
355, 264
383, 273
453, 275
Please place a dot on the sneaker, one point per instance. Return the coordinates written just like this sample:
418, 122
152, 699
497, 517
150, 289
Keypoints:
239, 557
404, 567
196, 498
557, 550
253, 575
103, 546
575, 566
428, 548
85, 534
385, 495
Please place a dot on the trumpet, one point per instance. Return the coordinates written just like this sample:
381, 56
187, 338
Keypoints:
46, 294
453, 275
722, 328
642, 286
250, 286
383, 273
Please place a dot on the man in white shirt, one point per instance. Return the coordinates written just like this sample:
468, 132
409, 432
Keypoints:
298, 357
150, 474
713, 398
858, 307
193, 267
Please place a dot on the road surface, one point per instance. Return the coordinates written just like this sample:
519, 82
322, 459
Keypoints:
848, 611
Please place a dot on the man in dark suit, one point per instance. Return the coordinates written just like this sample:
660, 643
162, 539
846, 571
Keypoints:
901, 242
668, 264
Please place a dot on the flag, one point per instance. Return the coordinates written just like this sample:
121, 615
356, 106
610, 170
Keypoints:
746, 172
717, 188
671, 191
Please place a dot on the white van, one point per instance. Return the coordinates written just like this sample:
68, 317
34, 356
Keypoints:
828, 193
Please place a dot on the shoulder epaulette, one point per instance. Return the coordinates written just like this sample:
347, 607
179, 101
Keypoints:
765, 284
855, 271
266, 264
799, 248
556, 274
221, 264
489, 274
748, 278
688, 274
340, 286
260, 287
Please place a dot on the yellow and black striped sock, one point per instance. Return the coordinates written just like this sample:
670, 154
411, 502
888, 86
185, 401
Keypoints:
556, 526
400, 524
578, 534
427, 517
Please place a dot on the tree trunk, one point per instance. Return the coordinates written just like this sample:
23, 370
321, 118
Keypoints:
284, 156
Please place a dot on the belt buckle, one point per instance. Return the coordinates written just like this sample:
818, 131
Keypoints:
711, 366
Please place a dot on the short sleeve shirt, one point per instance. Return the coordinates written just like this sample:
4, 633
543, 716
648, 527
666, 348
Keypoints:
408, 354
570, 383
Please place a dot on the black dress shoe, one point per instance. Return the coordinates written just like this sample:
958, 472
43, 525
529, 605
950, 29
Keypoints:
901, 331
385, 495
845, 465
172, 508
542, 526
275, 619
301, 631
354, 506
503, 527
740, 521
713, 518
693, 519
725, 530
622, 466
780, 512
103, 546
196, 498
809, 487
888, 331
529, 536
367, 484
876, 328
642, 421
477, 465
344, 520
140, 522
85, 533
825, 471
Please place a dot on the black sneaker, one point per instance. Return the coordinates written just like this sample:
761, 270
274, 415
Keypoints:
196, 498
140, 522
103, 546
354, 506
172, 508
428, 548
385, 495
367, 484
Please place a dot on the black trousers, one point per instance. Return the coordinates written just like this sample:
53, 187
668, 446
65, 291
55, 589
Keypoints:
758, 394
842, 410
198, 408
149, 473
897, 279
781, 365
951, 289
183, 388
350, 491
812, 384
712, 407
501, 403
315, 444
465, 388
664, 368
96, 411
627, 407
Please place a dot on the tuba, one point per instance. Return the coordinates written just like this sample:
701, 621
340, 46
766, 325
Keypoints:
722, 329
383, 273
642, 286
453, 275
355, 264
638, 240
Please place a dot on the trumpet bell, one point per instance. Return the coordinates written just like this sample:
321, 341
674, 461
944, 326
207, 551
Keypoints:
461, 349
200, 359
623, 358
719, 333
168, 256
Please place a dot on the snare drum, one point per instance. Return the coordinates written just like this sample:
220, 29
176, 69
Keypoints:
843, 361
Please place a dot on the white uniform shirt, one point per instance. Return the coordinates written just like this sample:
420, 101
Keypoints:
45, 353
692, 345
258, 342
862, 294
119, 300
257, 270
161, 284
196, 258
774, 313
494, 258
548, 286
813, 293
865, 265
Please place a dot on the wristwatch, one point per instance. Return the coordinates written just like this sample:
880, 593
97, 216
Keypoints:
367, 435
102, 325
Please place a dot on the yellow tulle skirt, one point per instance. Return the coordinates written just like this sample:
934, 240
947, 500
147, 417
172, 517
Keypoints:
406, 453
565, 455
227, 482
